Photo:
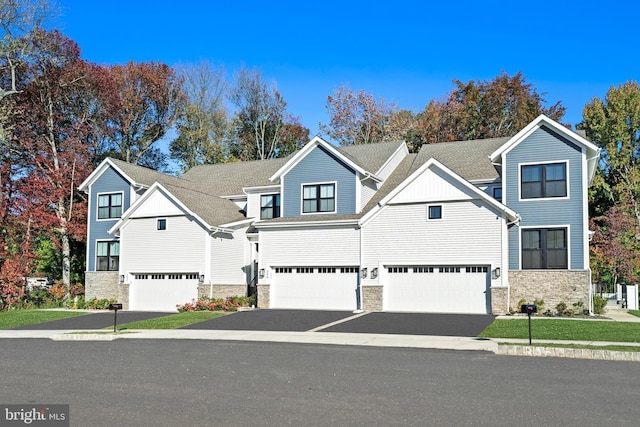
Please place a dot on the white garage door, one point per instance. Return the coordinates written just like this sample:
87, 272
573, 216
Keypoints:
316, 288
437, 289
162, 292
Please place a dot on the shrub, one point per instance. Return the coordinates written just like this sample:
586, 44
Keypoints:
563, 310
599, 304
540, 304
217, 304
92, 304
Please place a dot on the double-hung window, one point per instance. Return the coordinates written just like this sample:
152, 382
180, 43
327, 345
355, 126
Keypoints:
270, 206
542, 181
544, 248
108, 256
109, 206
318, 198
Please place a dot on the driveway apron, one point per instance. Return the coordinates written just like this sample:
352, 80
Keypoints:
273, 320
454, 325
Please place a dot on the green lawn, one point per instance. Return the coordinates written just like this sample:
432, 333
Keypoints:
564, 329
173, 321
16, 318
635, 312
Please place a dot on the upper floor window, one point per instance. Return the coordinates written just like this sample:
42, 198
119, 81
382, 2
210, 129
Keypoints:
318, 198
497, 193
435, 212
109, 206
270, 206
108, 256
161, 224
544, 248
546, 180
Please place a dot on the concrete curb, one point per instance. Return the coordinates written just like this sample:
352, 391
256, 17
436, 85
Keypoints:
567, 353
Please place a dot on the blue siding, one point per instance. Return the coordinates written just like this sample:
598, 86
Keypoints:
109, 182
319, 166
544, 145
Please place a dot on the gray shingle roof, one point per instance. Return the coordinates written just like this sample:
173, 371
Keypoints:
228, 179
371, 157
145, 176
469, 159
201, 187
214, 210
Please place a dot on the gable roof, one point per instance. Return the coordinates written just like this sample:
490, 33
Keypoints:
212, 212
432, 163
310, 146
138, 176
592, 150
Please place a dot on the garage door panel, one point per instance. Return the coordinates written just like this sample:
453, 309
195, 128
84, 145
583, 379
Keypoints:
438, 289
161, 294
314, 290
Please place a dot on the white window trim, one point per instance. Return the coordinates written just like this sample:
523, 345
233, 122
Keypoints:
98, 205
528, 227
534, 199
335, 198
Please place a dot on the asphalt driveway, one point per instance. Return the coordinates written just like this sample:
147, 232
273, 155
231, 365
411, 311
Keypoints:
459, 325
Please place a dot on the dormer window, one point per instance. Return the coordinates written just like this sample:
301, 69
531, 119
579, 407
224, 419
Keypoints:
318, 198
270, 206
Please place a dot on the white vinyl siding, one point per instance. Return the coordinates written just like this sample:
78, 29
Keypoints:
228, 257
469, 232
178, 248
309, 246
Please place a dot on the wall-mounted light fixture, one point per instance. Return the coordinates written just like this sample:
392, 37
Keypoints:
496, 272
374, 273
121, 278
363, 273
201, 279
261, 273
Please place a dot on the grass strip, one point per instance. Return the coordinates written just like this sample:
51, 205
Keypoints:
558, 329
16, 318
578, 346
173, 321
635, 312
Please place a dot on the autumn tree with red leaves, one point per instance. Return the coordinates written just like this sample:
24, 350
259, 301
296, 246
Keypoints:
54, 132
148, 99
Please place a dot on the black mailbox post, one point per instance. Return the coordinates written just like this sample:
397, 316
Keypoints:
115, 308
529, 309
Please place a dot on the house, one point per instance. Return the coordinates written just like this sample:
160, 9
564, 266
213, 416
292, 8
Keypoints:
460, 227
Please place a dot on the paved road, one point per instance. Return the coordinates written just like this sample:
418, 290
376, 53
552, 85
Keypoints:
189, 383
458, 325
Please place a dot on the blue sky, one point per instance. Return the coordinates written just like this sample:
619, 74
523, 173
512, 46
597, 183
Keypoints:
406, 52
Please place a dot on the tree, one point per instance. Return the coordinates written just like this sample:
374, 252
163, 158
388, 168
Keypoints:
260, 116
148, 99
54, 133
356, 117
614, 248
485, 109
202, 125
614, 125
